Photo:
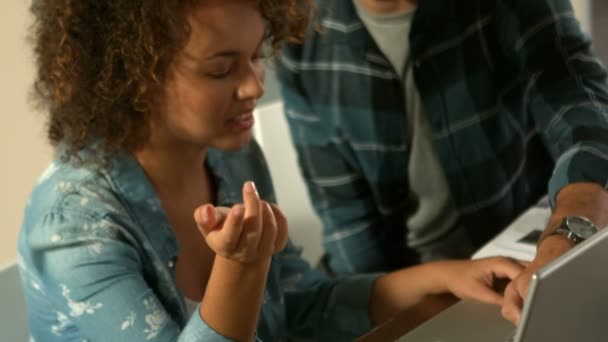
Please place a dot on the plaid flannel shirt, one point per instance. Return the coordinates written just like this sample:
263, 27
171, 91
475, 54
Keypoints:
515, 98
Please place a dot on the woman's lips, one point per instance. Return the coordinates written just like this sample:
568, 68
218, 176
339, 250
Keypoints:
243, 122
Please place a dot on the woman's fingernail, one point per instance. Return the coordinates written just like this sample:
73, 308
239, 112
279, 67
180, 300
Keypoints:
250, 187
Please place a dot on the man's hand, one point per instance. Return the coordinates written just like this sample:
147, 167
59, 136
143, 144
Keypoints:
588, 200
246, 232
480, 279
550, 249
473, 279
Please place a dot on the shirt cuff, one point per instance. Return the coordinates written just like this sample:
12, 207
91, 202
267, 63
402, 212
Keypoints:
582, 163
198, 330
350, 303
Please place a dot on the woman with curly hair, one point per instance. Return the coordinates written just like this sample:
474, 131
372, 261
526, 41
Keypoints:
148, 225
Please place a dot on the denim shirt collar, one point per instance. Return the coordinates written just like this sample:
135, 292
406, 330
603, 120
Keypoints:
143, 203
228, 171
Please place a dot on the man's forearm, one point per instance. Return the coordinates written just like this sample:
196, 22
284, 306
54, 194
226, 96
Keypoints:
589, 200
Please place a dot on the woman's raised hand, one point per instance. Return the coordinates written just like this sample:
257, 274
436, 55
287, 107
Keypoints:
246, 232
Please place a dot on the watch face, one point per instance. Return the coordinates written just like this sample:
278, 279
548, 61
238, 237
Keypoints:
581, 227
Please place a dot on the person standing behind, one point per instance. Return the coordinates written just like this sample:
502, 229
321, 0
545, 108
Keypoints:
423, 128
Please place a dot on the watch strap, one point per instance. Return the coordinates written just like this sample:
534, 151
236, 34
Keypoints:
567, 233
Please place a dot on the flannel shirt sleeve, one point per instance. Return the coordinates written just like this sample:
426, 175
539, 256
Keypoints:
339, 193
568, 88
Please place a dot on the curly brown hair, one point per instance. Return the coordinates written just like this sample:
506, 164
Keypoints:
101, 63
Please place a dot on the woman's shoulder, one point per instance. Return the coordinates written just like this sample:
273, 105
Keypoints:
63, 182
67, 199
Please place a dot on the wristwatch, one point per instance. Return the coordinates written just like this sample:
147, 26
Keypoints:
576, 228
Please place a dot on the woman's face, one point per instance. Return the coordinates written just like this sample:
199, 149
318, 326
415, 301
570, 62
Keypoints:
213, 84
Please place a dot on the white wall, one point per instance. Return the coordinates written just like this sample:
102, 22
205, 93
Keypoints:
583, 12
23, 148
272, 133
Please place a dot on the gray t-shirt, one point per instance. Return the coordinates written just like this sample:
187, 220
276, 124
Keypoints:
431, 226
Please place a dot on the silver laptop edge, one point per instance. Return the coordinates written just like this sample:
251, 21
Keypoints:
472, 321
550, 268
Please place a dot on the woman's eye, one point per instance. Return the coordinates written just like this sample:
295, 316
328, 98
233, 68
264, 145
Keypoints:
219, 74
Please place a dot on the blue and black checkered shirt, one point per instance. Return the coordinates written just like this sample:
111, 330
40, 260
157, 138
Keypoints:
513, 93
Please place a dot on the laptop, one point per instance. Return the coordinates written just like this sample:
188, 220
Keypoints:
567, 301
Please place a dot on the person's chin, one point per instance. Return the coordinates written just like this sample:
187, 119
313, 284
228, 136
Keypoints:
234, 143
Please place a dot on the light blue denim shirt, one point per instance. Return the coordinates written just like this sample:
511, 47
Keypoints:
98, 255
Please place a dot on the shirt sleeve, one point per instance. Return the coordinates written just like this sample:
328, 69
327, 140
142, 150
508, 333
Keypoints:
568, 93
319, 308
340, 194
96, 282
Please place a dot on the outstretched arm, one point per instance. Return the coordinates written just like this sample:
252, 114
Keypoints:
406, 289
589, 200
568, 101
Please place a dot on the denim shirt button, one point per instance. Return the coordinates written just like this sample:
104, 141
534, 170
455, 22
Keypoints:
171, 264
